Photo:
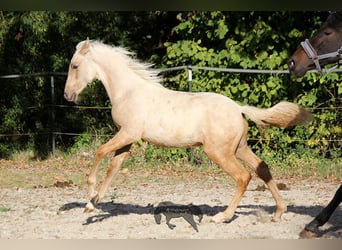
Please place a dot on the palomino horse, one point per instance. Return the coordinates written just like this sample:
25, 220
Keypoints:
323, 48
144, 110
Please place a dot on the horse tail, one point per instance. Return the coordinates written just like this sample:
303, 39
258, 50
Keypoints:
283, 115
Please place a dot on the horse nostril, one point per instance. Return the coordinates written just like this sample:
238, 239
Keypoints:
66, 95
292, 64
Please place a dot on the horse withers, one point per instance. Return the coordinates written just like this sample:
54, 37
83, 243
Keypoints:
143, 109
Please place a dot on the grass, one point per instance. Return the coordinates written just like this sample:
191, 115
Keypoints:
24, 172
29, 173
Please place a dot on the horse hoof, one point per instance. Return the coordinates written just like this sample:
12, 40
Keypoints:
220, 218
305, 234
276, 219
89, 208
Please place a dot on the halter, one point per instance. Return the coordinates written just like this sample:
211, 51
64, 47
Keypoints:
312, 54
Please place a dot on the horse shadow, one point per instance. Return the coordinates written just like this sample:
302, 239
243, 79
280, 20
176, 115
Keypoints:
188, 212
169, 209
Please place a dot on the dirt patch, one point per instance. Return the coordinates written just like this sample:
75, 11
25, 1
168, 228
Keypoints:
128, 210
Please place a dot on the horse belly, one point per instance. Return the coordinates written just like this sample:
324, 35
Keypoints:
177, 139
170, 133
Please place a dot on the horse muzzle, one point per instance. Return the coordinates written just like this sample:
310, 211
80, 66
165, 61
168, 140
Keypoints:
70, 98
297, 71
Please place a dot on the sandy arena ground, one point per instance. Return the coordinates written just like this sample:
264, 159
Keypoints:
127, 212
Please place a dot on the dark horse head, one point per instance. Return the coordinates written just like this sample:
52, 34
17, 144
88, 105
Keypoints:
324, 47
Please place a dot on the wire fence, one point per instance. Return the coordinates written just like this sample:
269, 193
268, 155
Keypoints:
188, 68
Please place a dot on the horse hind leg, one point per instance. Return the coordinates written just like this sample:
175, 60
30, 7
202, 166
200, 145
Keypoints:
245, 154
242, 177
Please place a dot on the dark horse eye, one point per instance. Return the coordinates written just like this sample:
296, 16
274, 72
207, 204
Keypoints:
73, 66
327, 33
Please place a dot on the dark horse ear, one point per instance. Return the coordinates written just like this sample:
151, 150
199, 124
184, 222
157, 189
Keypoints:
85, 46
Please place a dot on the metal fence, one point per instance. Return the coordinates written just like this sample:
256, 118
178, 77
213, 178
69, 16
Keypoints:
188, 68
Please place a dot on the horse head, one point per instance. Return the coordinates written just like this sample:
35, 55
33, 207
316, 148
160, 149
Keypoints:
81, 71
324, 47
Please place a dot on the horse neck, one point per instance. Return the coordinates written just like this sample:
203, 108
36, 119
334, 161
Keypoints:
117, 78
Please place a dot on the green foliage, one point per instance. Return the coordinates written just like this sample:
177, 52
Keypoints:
171, 155
239, 48
82, 142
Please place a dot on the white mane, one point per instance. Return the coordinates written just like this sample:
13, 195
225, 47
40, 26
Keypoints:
144, 70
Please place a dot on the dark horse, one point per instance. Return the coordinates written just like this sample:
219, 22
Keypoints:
324, 47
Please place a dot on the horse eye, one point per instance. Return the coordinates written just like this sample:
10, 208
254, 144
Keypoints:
74, 66
327, 33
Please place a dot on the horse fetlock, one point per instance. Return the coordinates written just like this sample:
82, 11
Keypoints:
95, 199
92, 193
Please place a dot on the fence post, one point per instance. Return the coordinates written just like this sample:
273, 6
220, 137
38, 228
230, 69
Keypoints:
53, 115
189, 67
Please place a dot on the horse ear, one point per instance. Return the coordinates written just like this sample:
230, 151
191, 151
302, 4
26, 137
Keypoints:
85, 47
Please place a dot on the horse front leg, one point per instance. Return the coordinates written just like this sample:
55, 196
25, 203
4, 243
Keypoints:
114, 166
120, 144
